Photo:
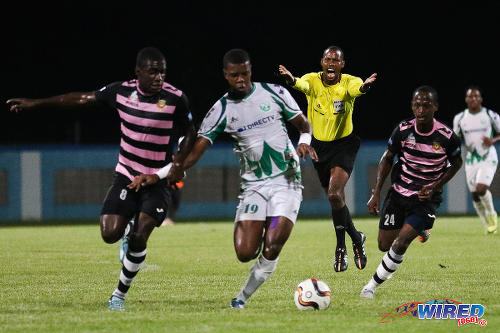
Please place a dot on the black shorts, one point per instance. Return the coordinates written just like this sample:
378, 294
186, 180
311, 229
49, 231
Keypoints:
398, 210
152, 200
336, 153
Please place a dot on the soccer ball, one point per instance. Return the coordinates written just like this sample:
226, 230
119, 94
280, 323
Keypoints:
312, 294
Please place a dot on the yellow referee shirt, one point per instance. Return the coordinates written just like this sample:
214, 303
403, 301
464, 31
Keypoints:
330, 107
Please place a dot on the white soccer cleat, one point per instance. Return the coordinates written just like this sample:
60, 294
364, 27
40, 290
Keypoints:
367, 293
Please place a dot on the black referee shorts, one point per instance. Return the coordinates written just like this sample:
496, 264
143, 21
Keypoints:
337, 153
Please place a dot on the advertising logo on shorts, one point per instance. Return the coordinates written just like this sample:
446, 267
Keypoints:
439, 309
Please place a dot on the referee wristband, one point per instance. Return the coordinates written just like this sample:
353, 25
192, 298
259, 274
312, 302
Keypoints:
163, 172
305, 138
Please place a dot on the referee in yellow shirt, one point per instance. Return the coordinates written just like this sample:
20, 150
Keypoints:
330, 96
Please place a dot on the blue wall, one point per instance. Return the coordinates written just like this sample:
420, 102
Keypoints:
24, 165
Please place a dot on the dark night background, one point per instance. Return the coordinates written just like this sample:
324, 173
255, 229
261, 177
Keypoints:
81, 46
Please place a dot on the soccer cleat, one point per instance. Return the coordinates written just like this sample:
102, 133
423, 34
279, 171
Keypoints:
359, 252
340, 262
116, 303
237, 304
424, 236
492, 224
124, 241
367, 293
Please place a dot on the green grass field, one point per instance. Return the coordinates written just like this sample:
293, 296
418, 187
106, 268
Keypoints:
59, 278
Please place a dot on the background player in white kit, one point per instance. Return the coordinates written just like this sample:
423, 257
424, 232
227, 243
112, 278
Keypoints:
479, 128
254, 115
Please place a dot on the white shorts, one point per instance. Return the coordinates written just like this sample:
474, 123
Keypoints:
481, 172
271, 197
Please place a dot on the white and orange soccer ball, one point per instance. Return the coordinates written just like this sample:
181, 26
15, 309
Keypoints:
312, 294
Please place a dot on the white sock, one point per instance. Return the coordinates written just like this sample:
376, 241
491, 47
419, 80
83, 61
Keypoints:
259, 273
487, 201
481, 211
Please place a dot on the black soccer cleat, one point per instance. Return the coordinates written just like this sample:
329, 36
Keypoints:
359, 252
340, 261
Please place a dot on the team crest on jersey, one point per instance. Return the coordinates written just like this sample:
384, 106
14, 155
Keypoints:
161, 103
436, 146
133, 96
265, 107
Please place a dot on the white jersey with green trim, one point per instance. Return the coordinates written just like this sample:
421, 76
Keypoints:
472, 128
256, 124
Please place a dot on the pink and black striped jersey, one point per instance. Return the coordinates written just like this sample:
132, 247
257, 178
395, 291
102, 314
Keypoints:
423, 158
150, 124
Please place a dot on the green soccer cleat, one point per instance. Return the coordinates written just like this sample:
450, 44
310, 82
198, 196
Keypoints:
237, 304
116, 303
492, 224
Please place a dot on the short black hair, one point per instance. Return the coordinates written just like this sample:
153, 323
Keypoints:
148, 54
474, 87
235, 56
429, 90
335, 49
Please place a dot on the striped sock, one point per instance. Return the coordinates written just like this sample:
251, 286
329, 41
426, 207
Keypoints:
390, 263
131, 265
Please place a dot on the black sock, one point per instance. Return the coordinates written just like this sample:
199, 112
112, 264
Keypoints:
338, 217
343, 218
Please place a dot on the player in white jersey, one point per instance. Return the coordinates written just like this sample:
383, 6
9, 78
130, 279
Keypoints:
254, 115
479, 128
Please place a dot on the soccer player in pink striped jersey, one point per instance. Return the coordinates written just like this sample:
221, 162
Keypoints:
428, 156
152, 114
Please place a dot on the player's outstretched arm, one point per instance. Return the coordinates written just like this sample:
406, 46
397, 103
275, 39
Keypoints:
383, 170
285, 73
304, 146
368, 83
69, 99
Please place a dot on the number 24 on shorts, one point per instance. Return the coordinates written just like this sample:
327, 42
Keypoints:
389, 219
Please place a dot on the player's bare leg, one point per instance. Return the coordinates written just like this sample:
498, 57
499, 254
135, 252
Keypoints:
342, 222
247, 243
133, 260
483, 203
392, 259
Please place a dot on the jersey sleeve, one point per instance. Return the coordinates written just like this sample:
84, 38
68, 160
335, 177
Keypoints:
353, 87
282, 97
304, 83
456, 124
495, 121
214, 122
394, 143
107, 94
182, 114
454, 146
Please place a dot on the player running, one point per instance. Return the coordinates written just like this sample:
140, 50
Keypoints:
254, 115
479, 128
151, 111
428, 156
